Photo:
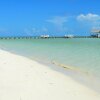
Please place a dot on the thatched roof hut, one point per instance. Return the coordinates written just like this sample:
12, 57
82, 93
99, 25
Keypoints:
95, 33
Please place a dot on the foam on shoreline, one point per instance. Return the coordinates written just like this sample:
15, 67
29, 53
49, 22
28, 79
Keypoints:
25, 79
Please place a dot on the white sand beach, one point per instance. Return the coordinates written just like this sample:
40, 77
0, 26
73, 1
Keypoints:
24, 79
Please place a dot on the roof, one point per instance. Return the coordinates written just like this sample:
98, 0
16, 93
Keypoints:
95, 31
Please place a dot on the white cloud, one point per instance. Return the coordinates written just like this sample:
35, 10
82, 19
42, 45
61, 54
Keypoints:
58, 21
89, 17
35, 31
93, 20
96, 28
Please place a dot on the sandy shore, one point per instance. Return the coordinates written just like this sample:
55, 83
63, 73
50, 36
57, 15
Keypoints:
24, 79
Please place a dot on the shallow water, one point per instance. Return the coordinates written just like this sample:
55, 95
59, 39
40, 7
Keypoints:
82, 54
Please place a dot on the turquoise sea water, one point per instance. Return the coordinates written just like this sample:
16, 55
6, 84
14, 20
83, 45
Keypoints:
82, 53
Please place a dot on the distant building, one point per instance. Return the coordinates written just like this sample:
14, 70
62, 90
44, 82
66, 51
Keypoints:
98, 35
69, 36
95, 33
44, 36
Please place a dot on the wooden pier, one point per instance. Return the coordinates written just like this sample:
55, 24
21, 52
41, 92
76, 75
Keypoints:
52, 37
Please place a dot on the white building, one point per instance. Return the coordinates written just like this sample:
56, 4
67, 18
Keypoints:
69, 36
95, 33
44, 36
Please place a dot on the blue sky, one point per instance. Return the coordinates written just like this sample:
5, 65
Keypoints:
54, 17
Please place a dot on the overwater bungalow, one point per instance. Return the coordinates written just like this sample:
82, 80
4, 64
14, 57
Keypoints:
44, 36
69, 36
95, 33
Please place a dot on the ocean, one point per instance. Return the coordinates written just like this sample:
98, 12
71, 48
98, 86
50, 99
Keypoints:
79, 53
